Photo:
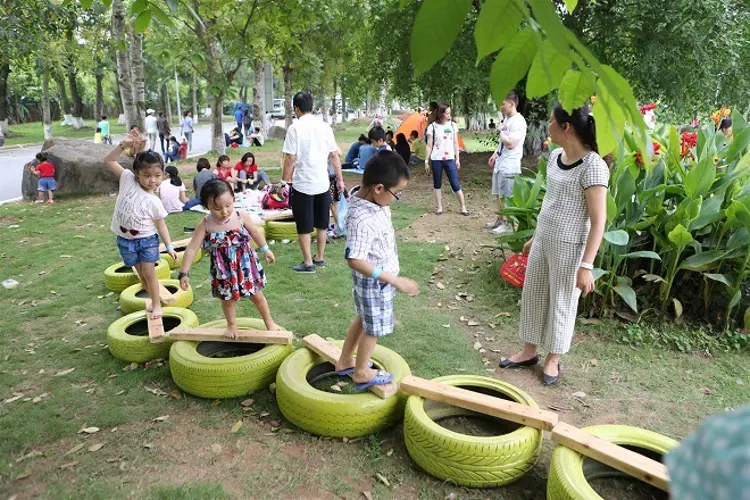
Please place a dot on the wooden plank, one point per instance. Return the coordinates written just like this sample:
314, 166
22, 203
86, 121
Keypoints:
165, 296
155, 328
217, 334
176, 244
482, 403
622, 459
331, 353
281, 215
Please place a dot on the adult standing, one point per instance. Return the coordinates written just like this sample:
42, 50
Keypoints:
562, 250
149, 124
238, 116
443, 153
308, 145
506, 160
187, 128
162, 125
247, 122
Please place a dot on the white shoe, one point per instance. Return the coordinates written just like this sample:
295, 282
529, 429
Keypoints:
503, 228
492, 225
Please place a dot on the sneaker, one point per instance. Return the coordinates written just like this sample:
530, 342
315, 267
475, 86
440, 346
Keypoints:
493, 224
319, 263
302, 268
503, 228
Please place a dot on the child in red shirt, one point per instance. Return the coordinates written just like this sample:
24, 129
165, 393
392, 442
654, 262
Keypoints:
46, 172
224, 169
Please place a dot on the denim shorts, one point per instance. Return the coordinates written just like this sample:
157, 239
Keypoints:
46, 184
138, 250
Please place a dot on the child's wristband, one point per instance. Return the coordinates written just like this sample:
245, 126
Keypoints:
170, 247
264, 248
376, 273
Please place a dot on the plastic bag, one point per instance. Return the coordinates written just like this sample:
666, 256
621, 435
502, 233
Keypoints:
343, 212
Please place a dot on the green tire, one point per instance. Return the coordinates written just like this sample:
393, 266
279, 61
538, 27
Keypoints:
473, 461
134, 297
262, 230
281, 230
175, 264
127, 338
338, 415
570, 471
202, 368
117, 277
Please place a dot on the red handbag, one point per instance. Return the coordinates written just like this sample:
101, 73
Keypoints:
513, 270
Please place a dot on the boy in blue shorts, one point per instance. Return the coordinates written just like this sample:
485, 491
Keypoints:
372, 255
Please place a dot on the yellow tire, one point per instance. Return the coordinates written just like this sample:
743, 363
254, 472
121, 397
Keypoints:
469, 460
134, 297
281, 230
127, 338
570, 471
117, 277
219, 370
175, 264
262, 230
339, 415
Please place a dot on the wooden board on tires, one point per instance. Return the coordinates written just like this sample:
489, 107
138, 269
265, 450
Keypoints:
176, 244
277, 215
155, 329
331, 353
165, 296
482, 403
627, 461
217, 334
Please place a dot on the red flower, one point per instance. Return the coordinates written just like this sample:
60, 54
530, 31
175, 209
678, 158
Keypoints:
639, 158
687, 142
647, 107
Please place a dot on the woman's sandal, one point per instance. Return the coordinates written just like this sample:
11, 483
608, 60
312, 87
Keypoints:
438, 212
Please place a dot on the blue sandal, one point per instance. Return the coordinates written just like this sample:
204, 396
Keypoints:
349, 371
381, 378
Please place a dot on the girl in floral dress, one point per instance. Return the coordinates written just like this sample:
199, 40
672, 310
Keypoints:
236, 270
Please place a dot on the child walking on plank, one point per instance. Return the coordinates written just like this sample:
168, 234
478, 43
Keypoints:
139, 215
236, 271
372, 255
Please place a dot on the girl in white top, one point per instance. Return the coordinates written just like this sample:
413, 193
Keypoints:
443, 151
172, 191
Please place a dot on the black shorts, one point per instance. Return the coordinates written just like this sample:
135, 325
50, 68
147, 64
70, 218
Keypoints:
310, 211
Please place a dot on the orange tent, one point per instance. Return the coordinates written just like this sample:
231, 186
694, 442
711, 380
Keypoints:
418, 122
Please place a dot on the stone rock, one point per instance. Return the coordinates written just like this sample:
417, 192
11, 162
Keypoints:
79, 168
277, 133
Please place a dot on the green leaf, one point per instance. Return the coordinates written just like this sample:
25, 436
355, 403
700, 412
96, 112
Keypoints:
742, 214
106, 3
700, 261
546, 15
138, 7
699, 179
628, 295
571, 5
547, 69
680, 236
611, 208
516, 236
535, 190
710, 212
618, 237
512, 63
142, 21
172, 4
642, 254
721, 278
575, 89
497, 23
609, 118
161, 16
435, 29
735, 300
598, 273
86, 4
739, 239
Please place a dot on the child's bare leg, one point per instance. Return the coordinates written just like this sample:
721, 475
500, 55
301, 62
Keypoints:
41, 196
230, 313
362, 371
261, 304
353, 337
51, 195
147, 271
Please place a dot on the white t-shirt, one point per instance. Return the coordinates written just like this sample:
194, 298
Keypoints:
443, 137
509, 160
135, 209
150, 124
260, 138
311, 141
170, 196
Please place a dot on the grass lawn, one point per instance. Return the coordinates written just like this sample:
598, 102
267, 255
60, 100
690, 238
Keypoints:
56, 320
33, 133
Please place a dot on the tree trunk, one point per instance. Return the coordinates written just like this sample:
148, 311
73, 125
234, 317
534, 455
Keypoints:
258, 97
323, 108
217, 134
334, 108
136, 69
124, 81
344, 114
243, 94
46, 118
168, 105
4, 72
72, 72
64, 102
288, 70
195, 99
99, 107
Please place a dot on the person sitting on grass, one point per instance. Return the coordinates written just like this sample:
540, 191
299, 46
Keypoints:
223, 169
372, 256
352, 156
172, 191
204, 175
173, 150
236, 271
376, 136
256, 138
139, 216
234, 137
98, 136
247, 174
46, 173
418, 148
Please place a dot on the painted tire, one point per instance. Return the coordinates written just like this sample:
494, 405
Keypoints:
262, 230
474, 461
198, 368
570, 471
175, 264
281, 230
117, 277
338, 415
127, 338
134, 297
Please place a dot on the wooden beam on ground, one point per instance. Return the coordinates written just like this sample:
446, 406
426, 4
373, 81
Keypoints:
155, 328
331, 353
217, 334
482, 403
165, 296
281, 215
622, 459
176, 244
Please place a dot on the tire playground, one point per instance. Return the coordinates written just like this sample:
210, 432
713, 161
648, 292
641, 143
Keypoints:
204, 363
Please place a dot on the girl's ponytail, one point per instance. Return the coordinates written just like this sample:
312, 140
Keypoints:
174, 177
582, 122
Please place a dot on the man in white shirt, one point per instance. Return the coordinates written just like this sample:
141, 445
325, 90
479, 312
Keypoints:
149, 124
506, 160
308, 146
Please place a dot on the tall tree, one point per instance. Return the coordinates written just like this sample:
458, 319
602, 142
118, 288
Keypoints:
136, 70
124, 78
